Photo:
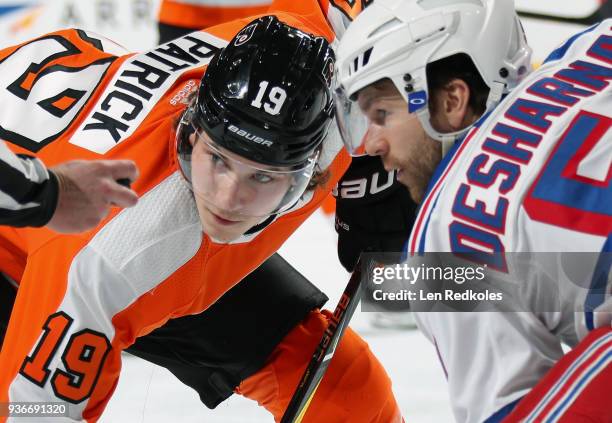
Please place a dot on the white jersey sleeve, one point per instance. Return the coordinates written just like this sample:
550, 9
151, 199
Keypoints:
533, 176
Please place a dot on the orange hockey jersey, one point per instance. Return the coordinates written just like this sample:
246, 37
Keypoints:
199, 14
84, 298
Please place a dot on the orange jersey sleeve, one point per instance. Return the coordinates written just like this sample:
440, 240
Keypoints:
84, 298
197, 14
336, 14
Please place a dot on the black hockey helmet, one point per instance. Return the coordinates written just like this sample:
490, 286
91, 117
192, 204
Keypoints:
264, 106
267, 95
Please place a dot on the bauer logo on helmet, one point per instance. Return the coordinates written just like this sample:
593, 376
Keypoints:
249, 136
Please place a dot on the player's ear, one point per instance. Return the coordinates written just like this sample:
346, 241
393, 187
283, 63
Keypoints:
452, 106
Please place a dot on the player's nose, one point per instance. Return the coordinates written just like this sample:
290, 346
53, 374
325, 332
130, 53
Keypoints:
374, 143
231, 195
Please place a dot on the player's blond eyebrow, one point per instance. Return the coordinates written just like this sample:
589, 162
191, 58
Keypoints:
367, 101
371, 99
377, 91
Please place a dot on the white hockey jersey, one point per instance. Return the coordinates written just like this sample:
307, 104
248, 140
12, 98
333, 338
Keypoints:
532, 176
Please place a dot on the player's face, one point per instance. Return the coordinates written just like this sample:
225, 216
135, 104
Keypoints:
232, 196
398, 137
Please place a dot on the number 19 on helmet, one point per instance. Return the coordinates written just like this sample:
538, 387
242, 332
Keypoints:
249, 143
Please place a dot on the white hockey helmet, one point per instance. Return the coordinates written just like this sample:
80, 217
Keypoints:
396, 39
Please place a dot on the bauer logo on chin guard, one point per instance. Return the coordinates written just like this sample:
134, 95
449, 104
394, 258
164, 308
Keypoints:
416, 101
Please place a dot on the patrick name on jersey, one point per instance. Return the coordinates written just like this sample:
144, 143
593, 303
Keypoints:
137, 84
560, 192
142, 80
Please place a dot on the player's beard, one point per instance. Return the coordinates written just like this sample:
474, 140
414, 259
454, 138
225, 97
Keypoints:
418, 168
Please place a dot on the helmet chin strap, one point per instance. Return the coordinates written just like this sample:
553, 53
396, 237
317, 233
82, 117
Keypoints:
495, 94
183, 146
261, 225
252, 230
448, 139
446, 146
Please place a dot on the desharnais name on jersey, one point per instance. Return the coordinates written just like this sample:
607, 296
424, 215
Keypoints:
533, 176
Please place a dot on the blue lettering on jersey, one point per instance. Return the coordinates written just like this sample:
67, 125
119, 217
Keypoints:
587, 74
602, 49
558, 91
478, 213
558, 180
533, 113
464, 239
513, 137
509, 170
560, 195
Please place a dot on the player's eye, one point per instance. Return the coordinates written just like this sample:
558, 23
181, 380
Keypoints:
380, 116
217, 160
262, 178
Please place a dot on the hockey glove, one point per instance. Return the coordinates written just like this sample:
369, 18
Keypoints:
374, 212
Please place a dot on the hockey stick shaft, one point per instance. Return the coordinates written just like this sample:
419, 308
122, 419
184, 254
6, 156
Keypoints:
324, 352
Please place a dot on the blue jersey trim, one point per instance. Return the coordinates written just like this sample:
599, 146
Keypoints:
597, 290
559, 52
503, 412
560, 408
